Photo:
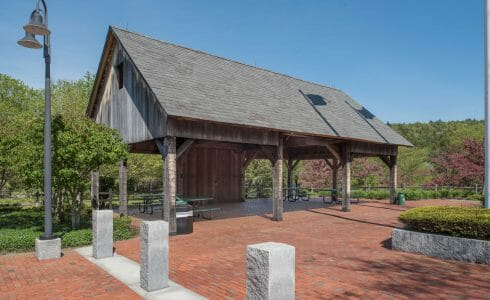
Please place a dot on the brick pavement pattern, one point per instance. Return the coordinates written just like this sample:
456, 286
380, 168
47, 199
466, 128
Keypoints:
338, 256
22, 276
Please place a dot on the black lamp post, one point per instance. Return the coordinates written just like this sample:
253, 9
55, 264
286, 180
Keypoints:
38, 25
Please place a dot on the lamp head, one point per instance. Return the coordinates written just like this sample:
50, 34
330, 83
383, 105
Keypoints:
36, 25
29, 41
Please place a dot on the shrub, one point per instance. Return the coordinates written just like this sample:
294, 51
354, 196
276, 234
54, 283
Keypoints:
453, 221
123, 229
22, 219
15, 238
76, 238
9, 207
371, 194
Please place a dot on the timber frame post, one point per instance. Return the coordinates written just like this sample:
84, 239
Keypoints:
291, 165
277, 203
246, 159
334, 166
346, 162
391, 162
123, 188
94, 189
170, 183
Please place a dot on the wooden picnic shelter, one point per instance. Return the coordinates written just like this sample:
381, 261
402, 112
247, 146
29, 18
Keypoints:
209, 117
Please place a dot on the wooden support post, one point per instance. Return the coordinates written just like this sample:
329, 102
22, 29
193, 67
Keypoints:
94, 189
245, 159
346, 161
123, 188
243, 168
290, 177
393, 179
291, 165
390, 161
335, 171
290, 173
277, 203
170, 183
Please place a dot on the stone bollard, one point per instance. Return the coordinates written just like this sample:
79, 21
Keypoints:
102, 243
270, 271
48, 249
154, 255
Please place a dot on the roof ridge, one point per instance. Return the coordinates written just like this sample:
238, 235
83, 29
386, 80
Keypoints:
227, 59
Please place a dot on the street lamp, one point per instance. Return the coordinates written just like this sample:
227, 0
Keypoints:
38, 25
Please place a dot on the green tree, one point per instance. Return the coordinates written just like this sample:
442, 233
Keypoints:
258, 176
17, 102
70, 98
79, 146
145, 171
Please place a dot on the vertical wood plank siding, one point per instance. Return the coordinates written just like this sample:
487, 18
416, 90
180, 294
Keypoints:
210, 172
132, 110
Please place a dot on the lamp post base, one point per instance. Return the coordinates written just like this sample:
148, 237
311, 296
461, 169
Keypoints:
48, 249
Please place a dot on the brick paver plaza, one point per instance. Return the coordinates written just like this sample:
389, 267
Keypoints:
338, 255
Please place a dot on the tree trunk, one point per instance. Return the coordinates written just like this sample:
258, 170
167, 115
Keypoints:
75, 210
59, 207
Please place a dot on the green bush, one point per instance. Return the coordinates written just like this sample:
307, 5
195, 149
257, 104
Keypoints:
24, 226
76, 238
17, 239
371, 194
9, 207
123, 229
453, 221
417, 194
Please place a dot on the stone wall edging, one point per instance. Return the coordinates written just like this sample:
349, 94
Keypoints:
447, 247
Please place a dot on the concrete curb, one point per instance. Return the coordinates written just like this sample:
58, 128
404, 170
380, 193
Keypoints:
128, 272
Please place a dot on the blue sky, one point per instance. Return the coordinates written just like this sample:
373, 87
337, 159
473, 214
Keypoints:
405, 60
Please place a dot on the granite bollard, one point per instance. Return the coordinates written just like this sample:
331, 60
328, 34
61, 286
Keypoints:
102, 243
48, 249
154, 255
270, 271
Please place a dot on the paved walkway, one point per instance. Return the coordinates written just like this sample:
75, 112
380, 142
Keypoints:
128, 272
338, 255
251, 207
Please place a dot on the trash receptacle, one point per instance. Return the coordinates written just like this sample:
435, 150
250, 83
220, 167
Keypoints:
184, 216
400, 199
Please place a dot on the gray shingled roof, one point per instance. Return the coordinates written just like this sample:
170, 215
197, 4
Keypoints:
193, 84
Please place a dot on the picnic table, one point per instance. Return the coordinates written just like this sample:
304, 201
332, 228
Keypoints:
295, 193
333, 193
149, 201
198, 205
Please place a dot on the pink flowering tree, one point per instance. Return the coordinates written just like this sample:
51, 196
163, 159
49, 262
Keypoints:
462, 166
315, 174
